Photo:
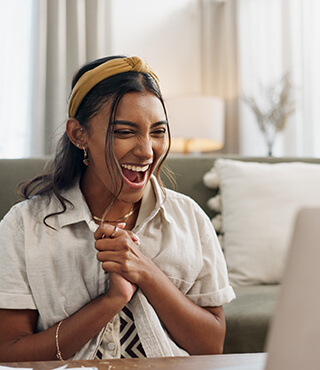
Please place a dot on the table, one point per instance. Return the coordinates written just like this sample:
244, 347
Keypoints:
169, 363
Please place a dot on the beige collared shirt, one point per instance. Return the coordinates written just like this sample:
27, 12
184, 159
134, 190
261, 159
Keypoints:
56, 271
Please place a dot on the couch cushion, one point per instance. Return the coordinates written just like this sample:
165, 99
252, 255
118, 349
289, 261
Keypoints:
259, 204
12, 172
248, 318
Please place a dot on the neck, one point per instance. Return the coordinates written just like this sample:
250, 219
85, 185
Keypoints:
124, 218
96, 195
103, 205
113, 215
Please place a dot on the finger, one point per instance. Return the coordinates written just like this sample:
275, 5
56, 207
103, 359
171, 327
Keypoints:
111, 266
134, 237
119, 268
120, 240
108, 256
105, 230
102, 245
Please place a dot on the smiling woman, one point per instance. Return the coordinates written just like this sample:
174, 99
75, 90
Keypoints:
95, 263
139, 142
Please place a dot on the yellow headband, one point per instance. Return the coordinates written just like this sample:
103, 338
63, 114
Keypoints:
110, 68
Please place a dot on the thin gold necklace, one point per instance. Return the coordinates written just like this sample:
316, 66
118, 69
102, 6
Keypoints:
121, 219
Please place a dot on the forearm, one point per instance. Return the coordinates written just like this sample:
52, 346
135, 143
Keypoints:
193, 328
74, 332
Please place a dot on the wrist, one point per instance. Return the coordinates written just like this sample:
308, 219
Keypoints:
115, 301
150, 277
111, 304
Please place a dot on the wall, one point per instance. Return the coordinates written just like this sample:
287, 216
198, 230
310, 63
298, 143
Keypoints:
166, 34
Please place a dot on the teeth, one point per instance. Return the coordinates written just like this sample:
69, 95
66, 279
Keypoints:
135, 168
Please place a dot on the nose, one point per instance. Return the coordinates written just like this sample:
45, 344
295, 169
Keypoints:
143, 148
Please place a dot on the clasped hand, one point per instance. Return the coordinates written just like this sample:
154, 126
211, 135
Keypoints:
120, 256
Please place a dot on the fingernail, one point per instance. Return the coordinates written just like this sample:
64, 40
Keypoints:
122, 225
136, 238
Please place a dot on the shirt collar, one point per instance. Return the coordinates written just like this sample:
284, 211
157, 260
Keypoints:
76, 212
152, 201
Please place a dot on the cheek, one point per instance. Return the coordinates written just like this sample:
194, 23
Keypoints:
121, 147
96, 158
161, 147
101, 169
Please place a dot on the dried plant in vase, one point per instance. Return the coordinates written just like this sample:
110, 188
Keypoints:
272, 109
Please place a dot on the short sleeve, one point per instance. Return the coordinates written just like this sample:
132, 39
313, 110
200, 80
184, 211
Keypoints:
15, 291
211, 288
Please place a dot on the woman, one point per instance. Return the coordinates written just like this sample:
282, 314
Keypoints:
102, 261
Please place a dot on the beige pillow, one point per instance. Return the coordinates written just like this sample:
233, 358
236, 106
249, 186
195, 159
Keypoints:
259, 204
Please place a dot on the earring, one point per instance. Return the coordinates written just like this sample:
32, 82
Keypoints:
85, 157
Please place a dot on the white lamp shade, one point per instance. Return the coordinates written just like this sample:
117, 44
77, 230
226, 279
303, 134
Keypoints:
197, 120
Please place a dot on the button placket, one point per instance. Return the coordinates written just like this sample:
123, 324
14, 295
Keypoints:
110, 338
111, 346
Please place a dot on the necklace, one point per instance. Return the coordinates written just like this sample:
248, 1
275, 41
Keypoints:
121, 219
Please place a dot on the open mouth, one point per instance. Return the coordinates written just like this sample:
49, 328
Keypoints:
134, 174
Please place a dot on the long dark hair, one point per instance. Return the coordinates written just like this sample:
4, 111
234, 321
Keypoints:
67, 165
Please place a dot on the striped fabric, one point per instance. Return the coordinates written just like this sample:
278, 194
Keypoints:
99, 354
130, 345
129, 339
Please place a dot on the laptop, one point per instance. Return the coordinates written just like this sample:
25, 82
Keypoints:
293, 342
294, 338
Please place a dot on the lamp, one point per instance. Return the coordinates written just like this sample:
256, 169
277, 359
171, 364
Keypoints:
196, 123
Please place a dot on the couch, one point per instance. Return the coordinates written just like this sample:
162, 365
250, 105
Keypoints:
249, 315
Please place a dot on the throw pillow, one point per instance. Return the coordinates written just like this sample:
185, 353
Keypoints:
259, 205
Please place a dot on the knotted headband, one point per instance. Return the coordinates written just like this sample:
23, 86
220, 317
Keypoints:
110, 68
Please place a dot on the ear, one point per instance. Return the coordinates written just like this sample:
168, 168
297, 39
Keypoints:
76, 133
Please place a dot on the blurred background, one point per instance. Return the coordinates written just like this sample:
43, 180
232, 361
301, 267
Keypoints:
235, 72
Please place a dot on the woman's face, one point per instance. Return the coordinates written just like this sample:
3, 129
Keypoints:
140, 140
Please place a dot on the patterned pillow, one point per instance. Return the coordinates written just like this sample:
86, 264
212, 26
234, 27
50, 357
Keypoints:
211, 180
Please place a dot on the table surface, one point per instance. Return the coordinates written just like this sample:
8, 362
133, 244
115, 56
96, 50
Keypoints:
170, 363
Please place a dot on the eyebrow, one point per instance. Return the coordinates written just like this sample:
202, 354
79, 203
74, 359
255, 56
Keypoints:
132, 124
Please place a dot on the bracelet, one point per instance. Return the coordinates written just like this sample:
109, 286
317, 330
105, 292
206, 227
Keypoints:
58, 355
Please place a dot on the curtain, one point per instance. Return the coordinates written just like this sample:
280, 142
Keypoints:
276, 37
68, 33
248, 46
15, 80
219, 62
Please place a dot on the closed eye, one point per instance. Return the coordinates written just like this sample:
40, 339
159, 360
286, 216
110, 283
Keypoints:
123, 132
160, 131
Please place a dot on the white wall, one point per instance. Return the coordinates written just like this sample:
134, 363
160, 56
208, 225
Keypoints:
165, 33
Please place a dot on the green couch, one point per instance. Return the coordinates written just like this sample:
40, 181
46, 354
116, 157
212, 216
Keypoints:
248, 316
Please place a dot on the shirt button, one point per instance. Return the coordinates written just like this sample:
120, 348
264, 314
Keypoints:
111, 346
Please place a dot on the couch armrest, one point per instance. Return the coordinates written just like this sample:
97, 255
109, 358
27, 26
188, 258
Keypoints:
13, 172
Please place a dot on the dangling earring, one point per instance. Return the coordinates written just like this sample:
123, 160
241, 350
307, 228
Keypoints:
85, 157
